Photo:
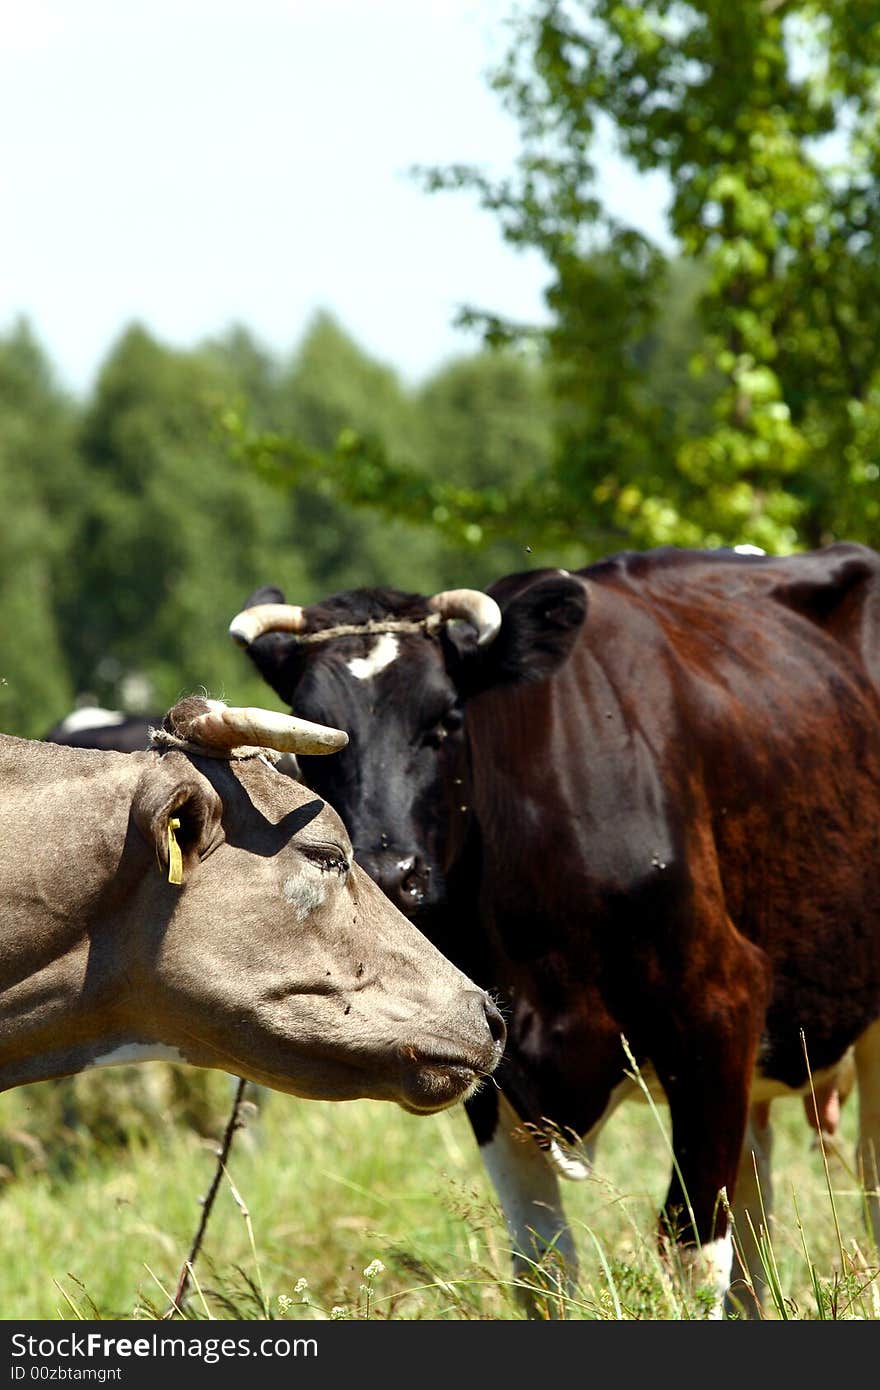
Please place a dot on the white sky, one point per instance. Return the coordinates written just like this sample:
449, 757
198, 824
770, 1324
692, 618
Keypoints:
193, 163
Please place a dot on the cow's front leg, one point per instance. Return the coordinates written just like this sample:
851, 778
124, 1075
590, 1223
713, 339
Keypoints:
705, 1062
867, 1058
528, 1191
752, 1206
695, 1226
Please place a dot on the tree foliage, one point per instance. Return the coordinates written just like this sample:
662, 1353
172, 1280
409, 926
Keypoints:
132, 528
763, 118
38, 473
723, 387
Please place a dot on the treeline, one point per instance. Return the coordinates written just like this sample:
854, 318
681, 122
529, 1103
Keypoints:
132, 529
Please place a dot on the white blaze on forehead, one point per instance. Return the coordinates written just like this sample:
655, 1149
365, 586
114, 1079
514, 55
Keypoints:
137, 1052
384, 652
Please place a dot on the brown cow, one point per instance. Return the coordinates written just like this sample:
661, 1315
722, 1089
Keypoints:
191, 902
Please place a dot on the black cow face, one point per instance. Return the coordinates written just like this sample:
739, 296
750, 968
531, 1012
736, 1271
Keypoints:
404, 759
402, 784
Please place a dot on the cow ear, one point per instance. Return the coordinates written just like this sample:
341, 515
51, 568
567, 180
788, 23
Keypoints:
540, 624
268, 594
173, 791
276, 655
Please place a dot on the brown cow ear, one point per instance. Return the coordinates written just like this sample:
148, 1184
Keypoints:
173, 791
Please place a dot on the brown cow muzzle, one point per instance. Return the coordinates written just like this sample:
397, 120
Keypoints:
435, 1079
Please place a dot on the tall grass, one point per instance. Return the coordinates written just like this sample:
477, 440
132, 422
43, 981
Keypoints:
359, 1210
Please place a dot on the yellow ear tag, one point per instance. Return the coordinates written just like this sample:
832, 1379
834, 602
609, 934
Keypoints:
175, 858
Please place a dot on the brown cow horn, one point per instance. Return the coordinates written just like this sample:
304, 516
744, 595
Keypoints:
225, 727
474, 606
251, 623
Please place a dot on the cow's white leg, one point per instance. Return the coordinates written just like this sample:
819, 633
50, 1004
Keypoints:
754, 1195
867, 1058
528, 1191
127, 1053
709, 1268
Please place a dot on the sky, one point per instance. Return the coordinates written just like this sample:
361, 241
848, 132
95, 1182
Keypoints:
191, 164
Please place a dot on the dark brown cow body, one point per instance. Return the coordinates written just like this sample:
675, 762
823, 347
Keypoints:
650, 807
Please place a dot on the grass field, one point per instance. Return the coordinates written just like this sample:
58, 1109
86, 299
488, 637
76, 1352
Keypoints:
319, 1192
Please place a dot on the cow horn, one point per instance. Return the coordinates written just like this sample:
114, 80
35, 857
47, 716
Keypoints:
220, 726
251, 623
474, 606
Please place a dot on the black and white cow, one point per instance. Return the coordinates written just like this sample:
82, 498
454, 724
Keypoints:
92, 726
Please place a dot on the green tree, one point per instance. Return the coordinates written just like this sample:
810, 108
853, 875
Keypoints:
173, 535
421, 489
763, 117
486, 422
344, 417
38, 476
331, 385
251, 371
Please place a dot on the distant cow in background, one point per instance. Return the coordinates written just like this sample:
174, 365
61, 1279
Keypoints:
92, 726
639, 800
189, 902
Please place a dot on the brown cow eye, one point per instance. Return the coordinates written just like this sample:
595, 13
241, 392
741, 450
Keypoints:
328, 858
